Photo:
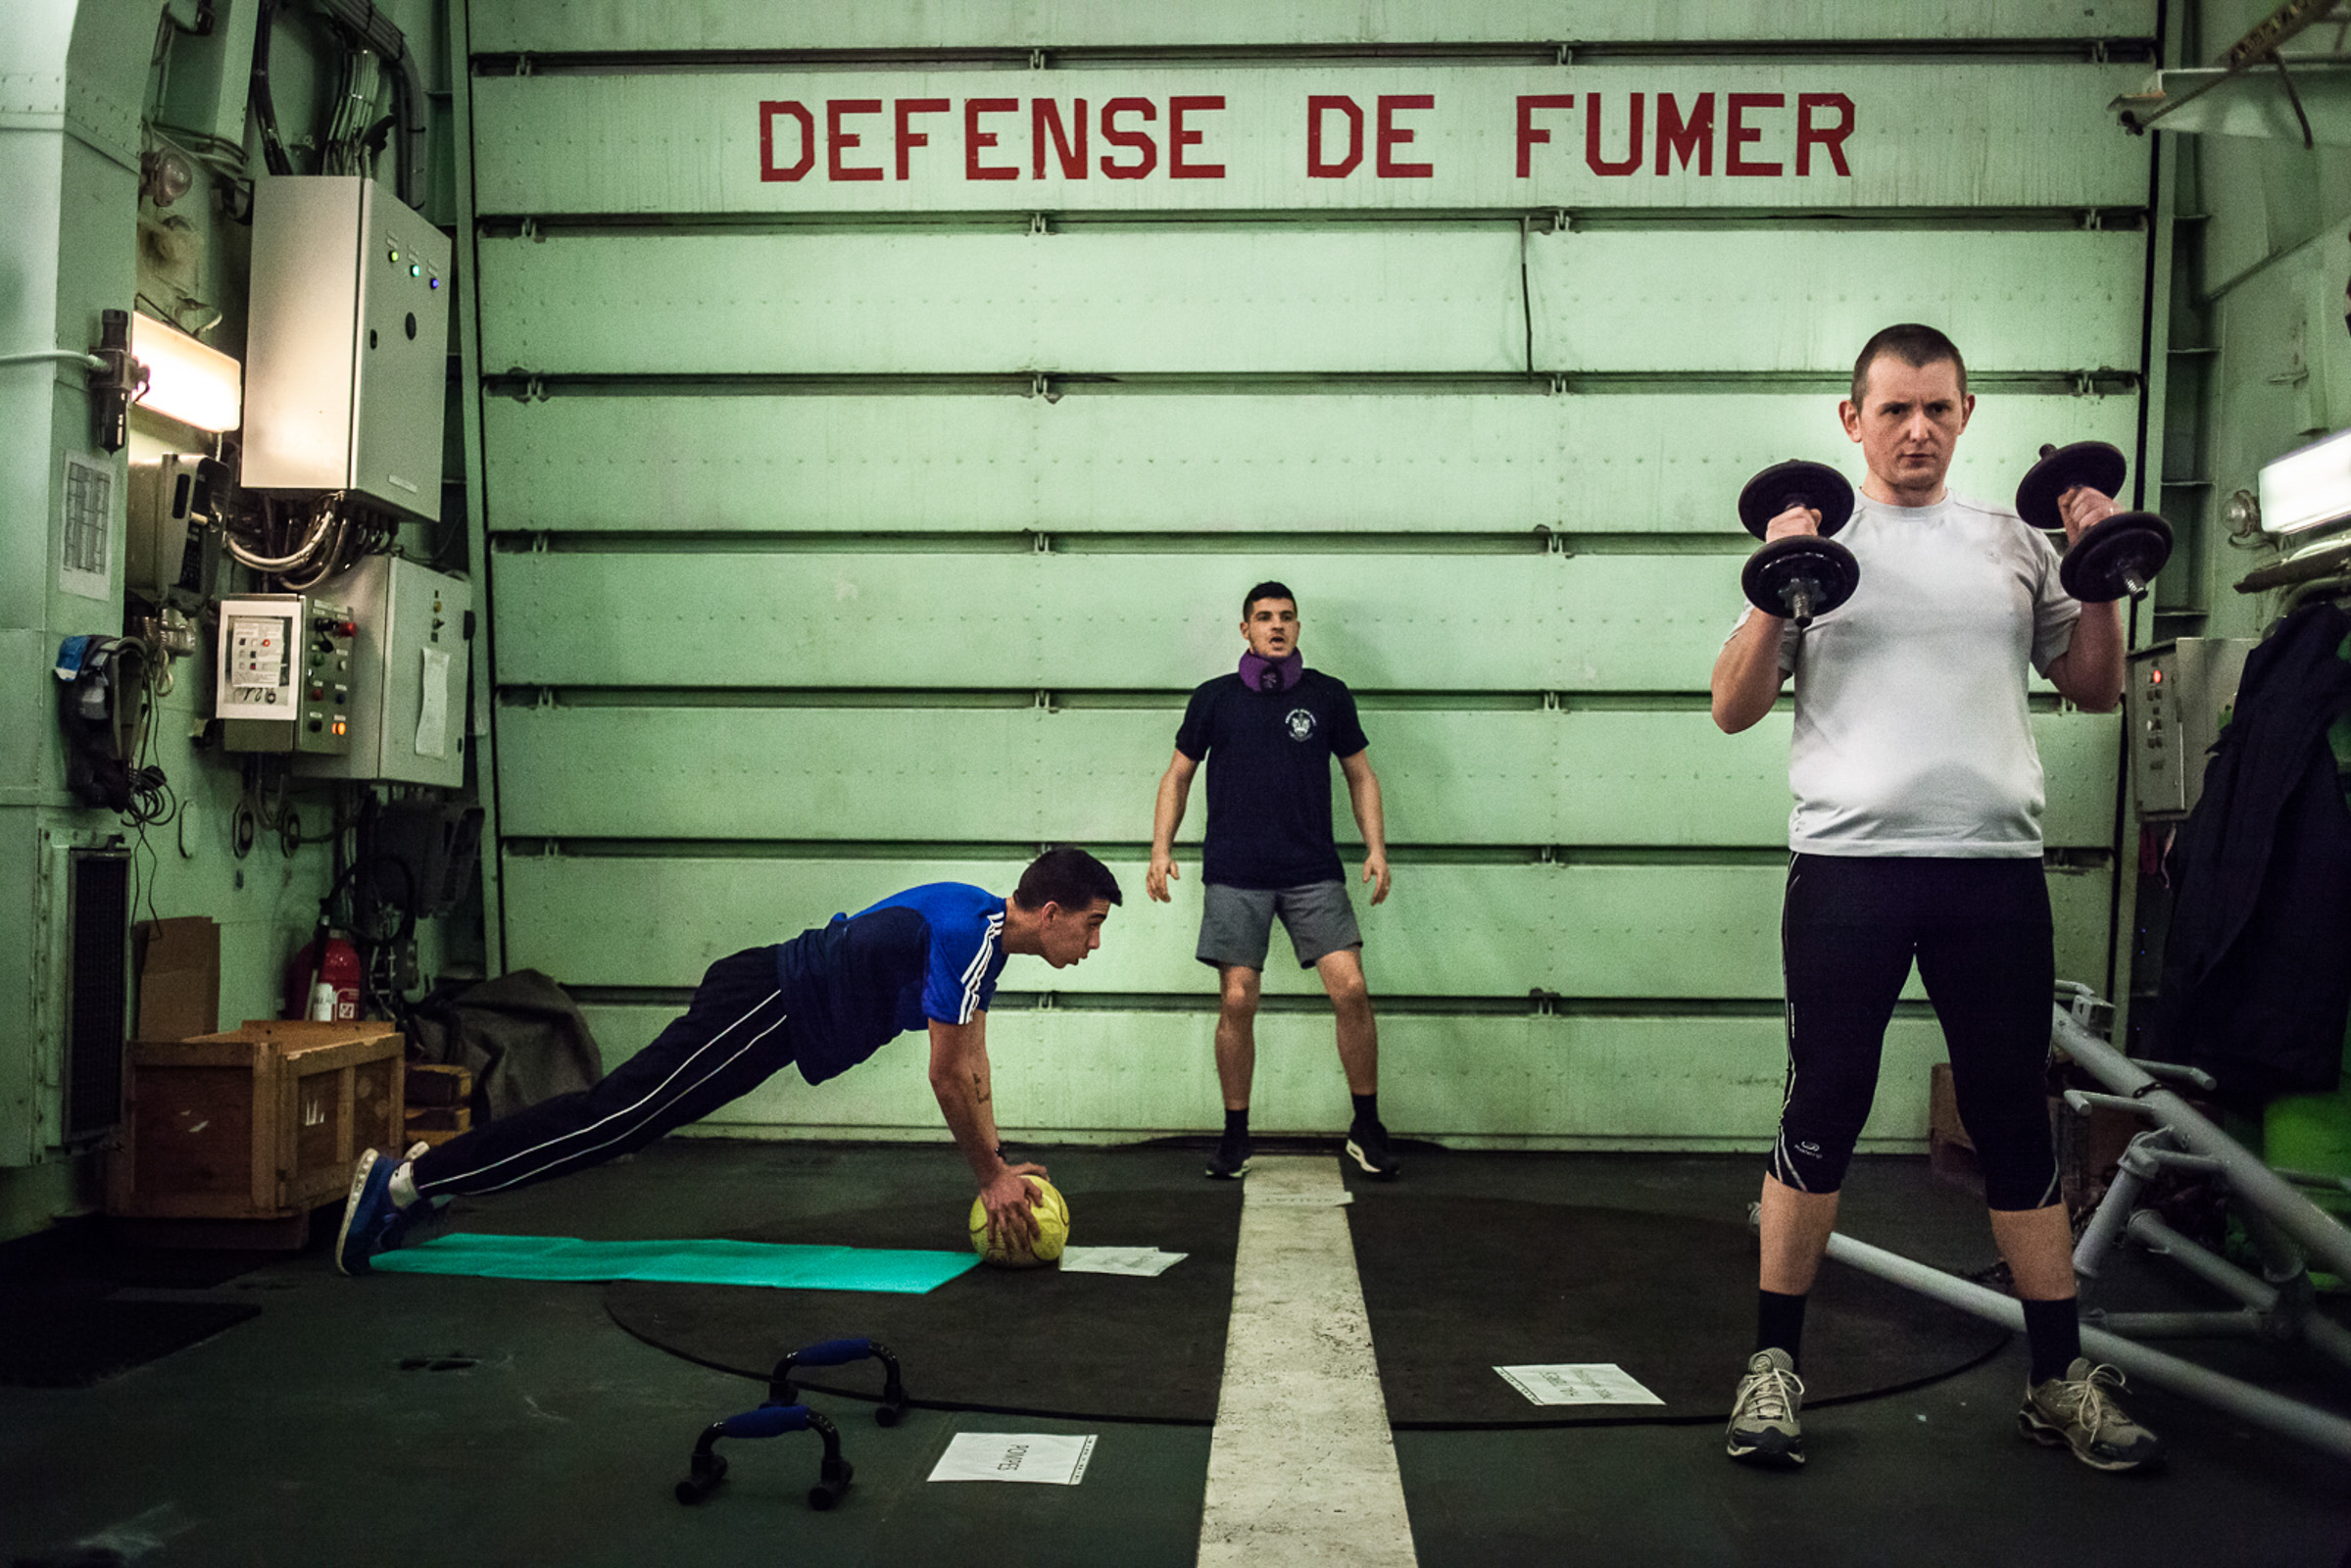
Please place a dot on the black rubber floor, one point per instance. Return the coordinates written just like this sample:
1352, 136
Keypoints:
1025, 1341
1456, 1286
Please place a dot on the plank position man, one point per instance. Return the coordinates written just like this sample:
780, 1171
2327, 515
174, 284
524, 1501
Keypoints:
1917, 833
1272, 728
824, 1001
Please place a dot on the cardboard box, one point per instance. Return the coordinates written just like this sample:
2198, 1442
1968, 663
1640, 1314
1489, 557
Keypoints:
180, 978
263, 1123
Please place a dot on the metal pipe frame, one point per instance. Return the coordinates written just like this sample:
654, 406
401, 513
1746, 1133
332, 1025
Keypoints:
2274, 1412
2252, 1181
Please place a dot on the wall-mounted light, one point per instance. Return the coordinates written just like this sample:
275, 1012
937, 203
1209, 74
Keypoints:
2309, 489
187, 380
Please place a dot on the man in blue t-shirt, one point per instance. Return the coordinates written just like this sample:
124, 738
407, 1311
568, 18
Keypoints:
1272, 728
824, 1001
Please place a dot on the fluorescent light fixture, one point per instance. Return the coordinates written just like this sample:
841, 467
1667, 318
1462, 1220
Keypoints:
186, 380
2309, 488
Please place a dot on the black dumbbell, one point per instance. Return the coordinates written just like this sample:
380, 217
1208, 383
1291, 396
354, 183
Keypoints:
2116, 556
1804, 574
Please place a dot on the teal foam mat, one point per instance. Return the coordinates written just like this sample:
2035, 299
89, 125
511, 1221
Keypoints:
778, 1266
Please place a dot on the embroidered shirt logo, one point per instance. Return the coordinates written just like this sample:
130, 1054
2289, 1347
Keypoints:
1300, 724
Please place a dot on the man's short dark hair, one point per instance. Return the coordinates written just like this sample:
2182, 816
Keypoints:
1266, 590
1914, 345
1065, 875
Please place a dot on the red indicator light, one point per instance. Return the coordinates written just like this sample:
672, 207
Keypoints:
2155, 675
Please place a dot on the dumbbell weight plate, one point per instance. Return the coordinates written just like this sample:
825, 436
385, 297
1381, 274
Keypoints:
2113, 553
1796, 482
1801, 576
2093, 464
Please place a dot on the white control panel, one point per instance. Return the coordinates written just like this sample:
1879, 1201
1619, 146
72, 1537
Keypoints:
283, 676
260, 656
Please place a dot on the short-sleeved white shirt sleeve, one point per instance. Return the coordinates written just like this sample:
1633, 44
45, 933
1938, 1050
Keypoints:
1911, 737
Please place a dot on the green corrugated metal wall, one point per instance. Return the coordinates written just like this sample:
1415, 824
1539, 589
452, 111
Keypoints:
847, 533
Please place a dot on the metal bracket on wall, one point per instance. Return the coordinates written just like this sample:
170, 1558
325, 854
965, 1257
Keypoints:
2085, 385
1045, 703
545, 699
1560, 388
1546, 1002
532, 232
1040, 224
1036, 61
1041, 544
1550, 702
1567, 54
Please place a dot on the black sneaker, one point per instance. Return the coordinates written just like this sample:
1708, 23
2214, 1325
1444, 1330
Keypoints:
1230, 1162
1368, 1147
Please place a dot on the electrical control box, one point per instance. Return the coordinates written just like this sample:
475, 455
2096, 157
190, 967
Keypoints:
283, 676
2179, 696
346, 359
172, 553
409, 674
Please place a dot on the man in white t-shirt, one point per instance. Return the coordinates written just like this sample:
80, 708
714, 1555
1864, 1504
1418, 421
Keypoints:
1916, 834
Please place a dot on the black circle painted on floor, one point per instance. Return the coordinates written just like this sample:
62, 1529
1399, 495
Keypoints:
1453, 1287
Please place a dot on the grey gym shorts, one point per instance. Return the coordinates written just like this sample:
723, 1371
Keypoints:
1237, 923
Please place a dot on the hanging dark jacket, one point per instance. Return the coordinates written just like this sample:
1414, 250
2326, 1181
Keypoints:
2257, 967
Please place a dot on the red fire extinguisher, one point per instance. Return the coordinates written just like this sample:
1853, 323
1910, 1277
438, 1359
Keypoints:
324, 979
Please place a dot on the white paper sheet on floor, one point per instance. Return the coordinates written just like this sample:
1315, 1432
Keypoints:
1143, 1262
1578, 1383
1052, 1459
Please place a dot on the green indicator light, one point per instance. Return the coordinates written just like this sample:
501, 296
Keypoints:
394, 257
416, 270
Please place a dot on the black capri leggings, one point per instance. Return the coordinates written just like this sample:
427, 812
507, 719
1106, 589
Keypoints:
1981, 934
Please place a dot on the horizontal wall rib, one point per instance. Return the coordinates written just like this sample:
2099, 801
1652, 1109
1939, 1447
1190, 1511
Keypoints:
1428, 623
655, 223
1344, 459
1579, 930
1632, 778
1289, 301
1564, 1081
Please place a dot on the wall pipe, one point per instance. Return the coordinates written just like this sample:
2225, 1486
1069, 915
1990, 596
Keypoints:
2275, 1413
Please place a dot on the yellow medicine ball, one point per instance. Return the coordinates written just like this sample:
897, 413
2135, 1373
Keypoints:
1052, 1230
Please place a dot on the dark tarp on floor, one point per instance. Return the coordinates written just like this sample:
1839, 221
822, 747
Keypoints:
521, 1035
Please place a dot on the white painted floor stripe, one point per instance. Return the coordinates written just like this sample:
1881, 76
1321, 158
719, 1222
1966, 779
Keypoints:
1301, 1469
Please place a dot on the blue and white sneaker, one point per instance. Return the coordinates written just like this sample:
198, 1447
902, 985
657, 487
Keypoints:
372, 1221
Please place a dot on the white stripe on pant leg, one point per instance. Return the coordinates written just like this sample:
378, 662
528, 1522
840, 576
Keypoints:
1302, 1468
651, 1113
649, 1095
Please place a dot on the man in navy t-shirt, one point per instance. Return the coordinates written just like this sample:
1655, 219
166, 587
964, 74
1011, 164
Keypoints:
824, 1001
1268, 732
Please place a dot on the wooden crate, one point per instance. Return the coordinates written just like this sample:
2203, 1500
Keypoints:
259, 1124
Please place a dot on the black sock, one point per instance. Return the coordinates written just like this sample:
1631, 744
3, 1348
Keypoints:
1367, 1108
1780, 1323
2053, 1328
1235, 1123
